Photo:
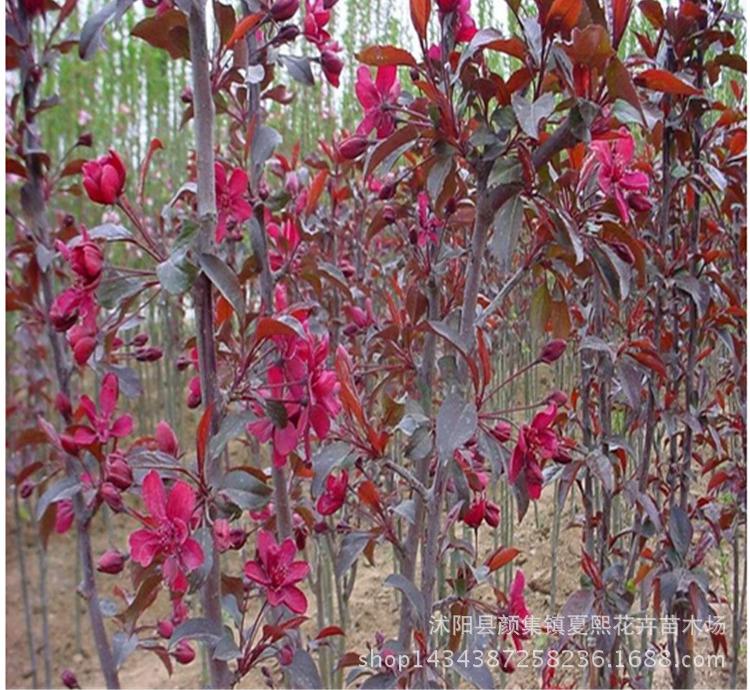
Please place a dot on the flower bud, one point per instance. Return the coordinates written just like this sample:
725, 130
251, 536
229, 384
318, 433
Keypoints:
148, 354
111, 562
332, 66
184, 653
83, 349
139, 340
475, 514
111, 496
118, 472
26, 489
286, 33
281, 10
623, 251
557, 397
62, 404
194, 392
85, 139
104, 178
501, 431
69, 679
552, 351
389, 214
353, 147
165, 628
166, 439
237, 538
286, 654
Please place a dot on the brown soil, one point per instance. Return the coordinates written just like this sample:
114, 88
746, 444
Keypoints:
373, 608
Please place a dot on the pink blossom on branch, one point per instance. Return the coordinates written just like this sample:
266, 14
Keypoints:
277, 573
167, 531
617, 178
378, 99
536, 442
231, 203
104, 178
104, 424
334, 494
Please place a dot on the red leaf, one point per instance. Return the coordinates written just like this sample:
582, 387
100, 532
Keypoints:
244, 27
316, 189
666, 82
153, 147
501, 557
377, 56
369, 495
204, 431
420, 16
329, 631
563, 15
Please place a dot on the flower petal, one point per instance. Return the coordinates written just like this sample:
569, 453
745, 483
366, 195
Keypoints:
154, 495
181, 502
144, 546
295, 599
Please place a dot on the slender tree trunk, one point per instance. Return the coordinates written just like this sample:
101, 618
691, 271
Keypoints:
34, 207
221, 676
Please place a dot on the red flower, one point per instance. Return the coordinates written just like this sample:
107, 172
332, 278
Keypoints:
65, 308
104, 178
232, 206
334, 495
86, 260
535, 441
482, 509
517, 609
309, 393
377, 99
277, 573
167, 531
286, 240
616, 177
103, 427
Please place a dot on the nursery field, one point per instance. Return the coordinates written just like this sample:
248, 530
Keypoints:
376, 345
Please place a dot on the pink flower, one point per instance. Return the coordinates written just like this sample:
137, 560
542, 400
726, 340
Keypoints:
316, 18
429, 224
465, 26
104, 178
103, 426
617, 179
85, 259
276, 571
334, 495
518, 609
301, 394
535, 441
167, 531
286, 239
378, 99
232, 206
65, 308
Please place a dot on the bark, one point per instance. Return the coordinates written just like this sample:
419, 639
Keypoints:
35, 210
221, 676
